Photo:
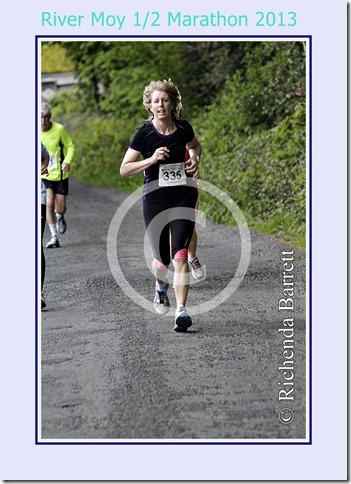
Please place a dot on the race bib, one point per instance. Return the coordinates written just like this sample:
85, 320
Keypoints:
172, 175
52, 162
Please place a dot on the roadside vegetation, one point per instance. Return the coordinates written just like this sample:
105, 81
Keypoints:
54, 59
246, 101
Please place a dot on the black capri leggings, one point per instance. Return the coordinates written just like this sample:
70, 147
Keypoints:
163, 219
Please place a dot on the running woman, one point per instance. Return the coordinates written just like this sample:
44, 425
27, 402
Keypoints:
169, 194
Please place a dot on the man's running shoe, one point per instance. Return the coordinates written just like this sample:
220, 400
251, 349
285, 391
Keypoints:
196, 269
182, 321
53, 243
161, 301
61, 224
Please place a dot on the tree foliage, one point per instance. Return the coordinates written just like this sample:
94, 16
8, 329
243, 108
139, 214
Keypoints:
54, 58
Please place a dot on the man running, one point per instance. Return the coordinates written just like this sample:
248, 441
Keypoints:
61, 149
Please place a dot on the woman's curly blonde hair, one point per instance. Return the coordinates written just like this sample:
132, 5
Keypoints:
169, 88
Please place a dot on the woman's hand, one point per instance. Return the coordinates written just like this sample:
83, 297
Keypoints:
192, 167
161, 154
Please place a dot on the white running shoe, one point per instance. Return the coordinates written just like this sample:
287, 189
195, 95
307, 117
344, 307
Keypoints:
161, 301
182, 321
61, 224
196, 269
54, 243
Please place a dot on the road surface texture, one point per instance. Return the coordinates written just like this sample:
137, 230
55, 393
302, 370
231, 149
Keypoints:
111, 369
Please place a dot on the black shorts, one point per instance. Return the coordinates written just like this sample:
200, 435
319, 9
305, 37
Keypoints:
60, 187
169, 218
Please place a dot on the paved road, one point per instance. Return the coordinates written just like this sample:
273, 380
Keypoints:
111, 369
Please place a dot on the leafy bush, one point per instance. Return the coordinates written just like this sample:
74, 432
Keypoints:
101, 144
54, 58
254, 141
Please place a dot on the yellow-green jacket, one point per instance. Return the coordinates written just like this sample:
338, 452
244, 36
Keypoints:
61, 149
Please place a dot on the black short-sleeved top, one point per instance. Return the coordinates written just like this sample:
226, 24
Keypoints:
146, 140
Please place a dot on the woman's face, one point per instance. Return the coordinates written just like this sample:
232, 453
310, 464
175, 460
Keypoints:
161, 105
